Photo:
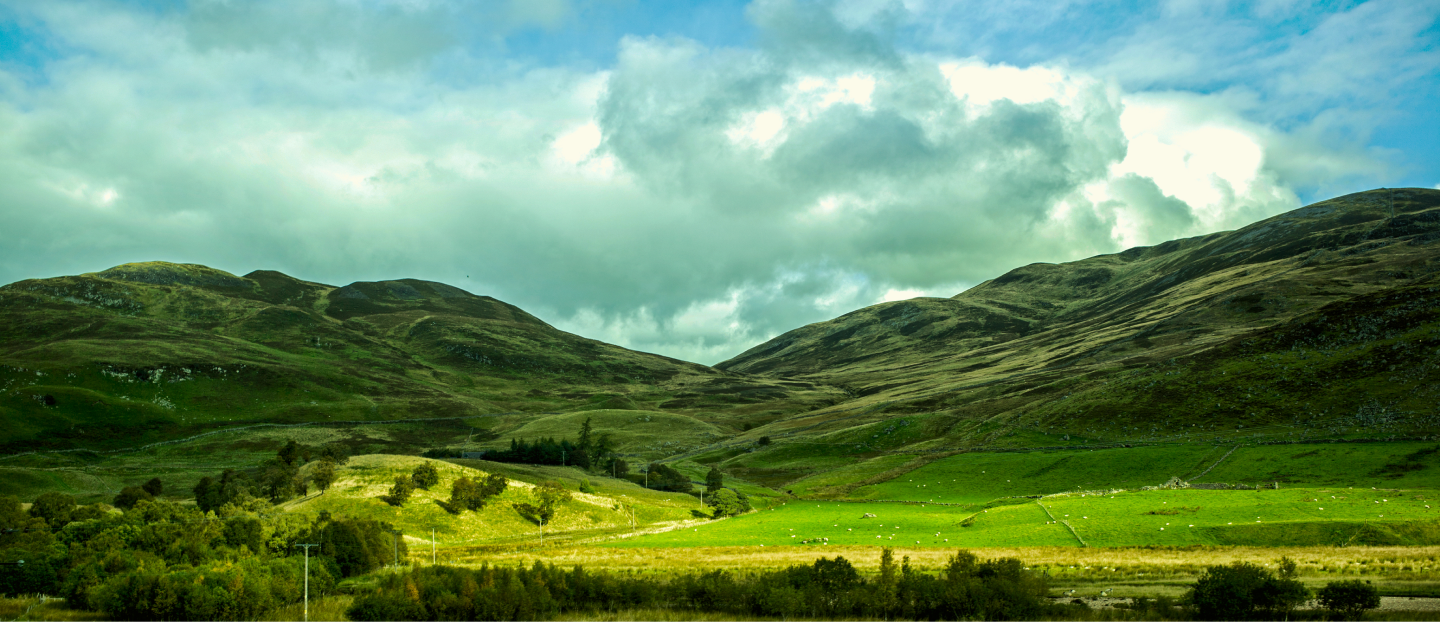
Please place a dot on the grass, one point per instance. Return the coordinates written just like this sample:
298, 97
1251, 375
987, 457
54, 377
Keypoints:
1287, 517
361, 483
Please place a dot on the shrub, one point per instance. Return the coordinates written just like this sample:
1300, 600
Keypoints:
425, 476
728, 503
54, 508
1243, 591
1348, 600
468, 494
400, 491
665, 477
129, 496
154, 487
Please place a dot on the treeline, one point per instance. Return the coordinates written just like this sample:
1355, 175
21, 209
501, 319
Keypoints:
587, 451
275, 479
966, 588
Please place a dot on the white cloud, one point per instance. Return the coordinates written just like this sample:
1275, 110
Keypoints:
688, 200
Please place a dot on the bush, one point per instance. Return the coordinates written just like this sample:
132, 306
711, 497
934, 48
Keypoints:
400, 491
1348, 600
468, 494
425, 476
728, 503
665, 477
54, 508
1244, 591
129, 496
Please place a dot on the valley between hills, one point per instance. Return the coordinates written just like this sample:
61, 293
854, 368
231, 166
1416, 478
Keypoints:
1119, 422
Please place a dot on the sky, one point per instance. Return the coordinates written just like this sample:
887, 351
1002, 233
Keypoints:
689, 179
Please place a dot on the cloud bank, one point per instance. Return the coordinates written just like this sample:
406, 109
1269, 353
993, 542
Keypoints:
684, 198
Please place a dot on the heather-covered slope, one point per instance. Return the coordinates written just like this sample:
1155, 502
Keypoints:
147, 352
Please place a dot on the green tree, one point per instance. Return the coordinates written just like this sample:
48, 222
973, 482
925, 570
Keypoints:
54, 508
1348, 600
468, 494
887, 585
154, 487
1231, 592
548, 496
764, 440
584, 442
291, 453
425, 476
665, 477
323, 474
728, 503
400, 491
714, 480
129, 496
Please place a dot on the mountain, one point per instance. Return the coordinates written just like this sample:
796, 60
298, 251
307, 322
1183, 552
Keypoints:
151, 351
1322, 321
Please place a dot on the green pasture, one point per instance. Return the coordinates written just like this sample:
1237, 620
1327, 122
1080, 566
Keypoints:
1395, 465
807, 523
1287, 517
978, 477
1294, 517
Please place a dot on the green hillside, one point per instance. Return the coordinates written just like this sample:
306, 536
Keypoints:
1321, 323
149, 352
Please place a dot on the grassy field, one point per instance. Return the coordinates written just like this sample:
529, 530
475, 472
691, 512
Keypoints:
1287, 517
361, 483
981, 476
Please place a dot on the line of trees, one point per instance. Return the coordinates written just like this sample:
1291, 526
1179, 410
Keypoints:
966, 588
587, 451
275, 480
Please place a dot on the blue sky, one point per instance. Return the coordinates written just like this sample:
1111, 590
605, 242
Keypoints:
688, 178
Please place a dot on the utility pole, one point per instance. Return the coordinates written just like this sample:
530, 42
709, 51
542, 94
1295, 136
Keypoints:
395, 538
432, 546
307, 578
562, 457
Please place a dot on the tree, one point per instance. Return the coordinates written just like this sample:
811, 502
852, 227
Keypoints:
583, 442
129, 496
1348, 599
764, 440
728, 503
665, 477
714, 480
549, 496
291, 453
425, 476
335, 453
619, 468
468, 494
323, 474
887, 585
1242, 591
154, 487
54, 508
400, 491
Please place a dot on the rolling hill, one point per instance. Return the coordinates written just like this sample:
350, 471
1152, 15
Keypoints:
156, 351
1322, 322
1317, 324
